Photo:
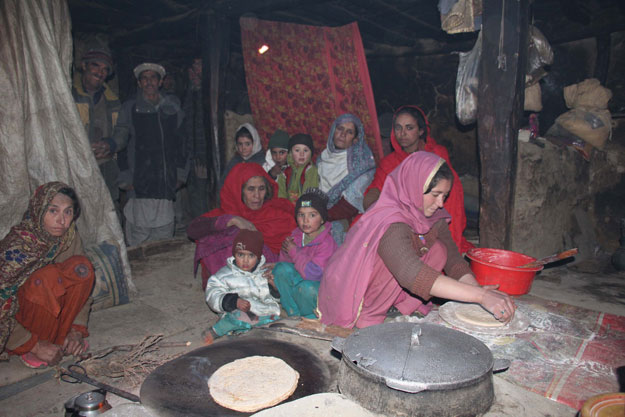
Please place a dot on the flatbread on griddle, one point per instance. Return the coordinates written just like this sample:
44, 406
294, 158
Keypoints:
253, 383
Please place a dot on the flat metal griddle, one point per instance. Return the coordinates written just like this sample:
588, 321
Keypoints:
180, 388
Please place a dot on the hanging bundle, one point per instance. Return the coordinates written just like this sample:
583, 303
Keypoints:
467, 83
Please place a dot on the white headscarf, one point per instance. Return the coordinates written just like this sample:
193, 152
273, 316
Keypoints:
332, 168
256, 145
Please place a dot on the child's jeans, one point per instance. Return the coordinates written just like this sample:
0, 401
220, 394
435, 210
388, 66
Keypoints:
298, 296
236, 322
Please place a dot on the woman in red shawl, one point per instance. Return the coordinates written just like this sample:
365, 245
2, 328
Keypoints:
407, 136
396, 253
248, 201
44, 287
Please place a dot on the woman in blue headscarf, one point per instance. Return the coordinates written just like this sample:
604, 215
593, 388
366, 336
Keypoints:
346, 168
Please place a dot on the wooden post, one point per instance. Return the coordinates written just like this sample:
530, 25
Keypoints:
500, 107
215, 54
602, 63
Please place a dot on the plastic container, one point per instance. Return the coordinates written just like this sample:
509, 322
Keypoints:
498, 266
604, 405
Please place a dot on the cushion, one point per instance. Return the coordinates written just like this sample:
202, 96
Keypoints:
110, 287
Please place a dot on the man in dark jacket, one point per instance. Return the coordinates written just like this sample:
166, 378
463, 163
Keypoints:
98, 107
153, 165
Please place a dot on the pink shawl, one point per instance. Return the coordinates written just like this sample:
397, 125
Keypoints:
349, 272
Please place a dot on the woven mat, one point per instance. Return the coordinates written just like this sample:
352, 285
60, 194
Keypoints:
567, 354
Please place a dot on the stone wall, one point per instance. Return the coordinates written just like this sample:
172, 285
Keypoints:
556, 205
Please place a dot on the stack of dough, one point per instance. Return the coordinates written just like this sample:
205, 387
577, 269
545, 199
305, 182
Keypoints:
475, 314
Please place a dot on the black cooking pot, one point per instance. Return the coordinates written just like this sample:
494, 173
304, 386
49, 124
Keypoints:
408, 369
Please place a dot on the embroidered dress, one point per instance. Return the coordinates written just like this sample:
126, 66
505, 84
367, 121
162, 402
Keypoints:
25, 249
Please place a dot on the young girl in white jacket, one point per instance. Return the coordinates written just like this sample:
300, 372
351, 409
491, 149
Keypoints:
239, 292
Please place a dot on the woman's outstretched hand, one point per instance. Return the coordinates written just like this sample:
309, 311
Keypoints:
241, 223
498, 303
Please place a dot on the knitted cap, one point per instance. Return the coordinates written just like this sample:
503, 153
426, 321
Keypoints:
149, 66
99, 54
302, 139
315, 198
248, 240
279, 139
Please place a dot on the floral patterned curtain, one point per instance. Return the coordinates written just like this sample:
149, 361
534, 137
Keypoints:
308, 77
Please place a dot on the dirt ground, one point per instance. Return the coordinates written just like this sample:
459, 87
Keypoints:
170, 303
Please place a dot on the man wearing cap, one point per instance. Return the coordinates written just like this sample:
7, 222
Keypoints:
98, 107
153, 164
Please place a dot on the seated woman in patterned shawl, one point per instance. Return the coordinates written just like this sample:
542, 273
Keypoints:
346, 168
45, 283
248, 201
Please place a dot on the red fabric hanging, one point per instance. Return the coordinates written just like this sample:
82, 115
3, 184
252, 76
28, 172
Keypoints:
308, 77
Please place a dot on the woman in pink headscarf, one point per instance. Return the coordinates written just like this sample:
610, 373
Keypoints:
410, 133
395, 254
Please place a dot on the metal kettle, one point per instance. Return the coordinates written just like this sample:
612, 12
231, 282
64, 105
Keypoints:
87, 404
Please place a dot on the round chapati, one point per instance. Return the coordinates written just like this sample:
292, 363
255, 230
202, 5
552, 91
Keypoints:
253, 383
519, 323
475, 314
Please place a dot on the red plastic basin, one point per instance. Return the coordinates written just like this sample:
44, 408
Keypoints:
498, 266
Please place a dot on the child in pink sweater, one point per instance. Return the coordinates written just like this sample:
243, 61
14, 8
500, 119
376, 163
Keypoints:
303, 256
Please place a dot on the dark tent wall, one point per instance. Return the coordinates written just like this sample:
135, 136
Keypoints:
41, 136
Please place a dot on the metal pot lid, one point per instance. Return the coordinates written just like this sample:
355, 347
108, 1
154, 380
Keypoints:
416, 357
88, 401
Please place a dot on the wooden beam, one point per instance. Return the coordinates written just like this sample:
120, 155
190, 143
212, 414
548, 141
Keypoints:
289, 17
363, 21
424, 47
500, 107
237, 8
215, 52
420, 22
160, 29
563, 33
173, 6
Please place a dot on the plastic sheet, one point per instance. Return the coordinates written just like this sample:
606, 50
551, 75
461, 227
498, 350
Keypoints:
539, 54
467, 83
